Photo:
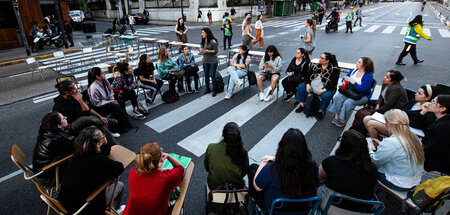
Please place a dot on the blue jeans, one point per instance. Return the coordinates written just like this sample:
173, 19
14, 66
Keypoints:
382, 179
344, 106
325, 98
235, 74
210, 70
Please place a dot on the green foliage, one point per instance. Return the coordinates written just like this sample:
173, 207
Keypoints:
80, 4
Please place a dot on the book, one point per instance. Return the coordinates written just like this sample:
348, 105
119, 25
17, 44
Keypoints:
183, 160
380, 117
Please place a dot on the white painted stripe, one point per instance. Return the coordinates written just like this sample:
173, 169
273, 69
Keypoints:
427, 31
269, 144
357, 28
6, 177
198, 141
444, 33
283, 33
373, 28
270, 36
388, 30
403, 31
342, 26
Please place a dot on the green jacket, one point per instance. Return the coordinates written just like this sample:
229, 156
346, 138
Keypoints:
221, 169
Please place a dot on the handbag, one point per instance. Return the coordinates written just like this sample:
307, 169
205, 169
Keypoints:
251, 77
367, 110
352, 93
316, 84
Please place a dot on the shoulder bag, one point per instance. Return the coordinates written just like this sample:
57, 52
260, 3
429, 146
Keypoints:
251, 77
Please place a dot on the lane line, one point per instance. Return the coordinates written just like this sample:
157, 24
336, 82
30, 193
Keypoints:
6, 177
403, 31
444, 33
388, 30
372, 28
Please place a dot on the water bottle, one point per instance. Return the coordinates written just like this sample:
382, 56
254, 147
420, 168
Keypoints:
344, 85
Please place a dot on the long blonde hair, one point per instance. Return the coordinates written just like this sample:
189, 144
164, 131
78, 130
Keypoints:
399, 122
148, 158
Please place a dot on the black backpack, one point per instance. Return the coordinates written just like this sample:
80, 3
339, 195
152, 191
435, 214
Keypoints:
220, 86
312, 105
170, 96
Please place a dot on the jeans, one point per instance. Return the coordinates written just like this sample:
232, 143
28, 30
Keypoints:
344, 106
325, 98
210, 70
235, 74
383, 180
154, 88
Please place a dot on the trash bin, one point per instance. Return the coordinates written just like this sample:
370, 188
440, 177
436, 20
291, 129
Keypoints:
89, 28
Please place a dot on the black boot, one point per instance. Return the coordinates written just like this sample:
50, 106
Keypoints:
208, 90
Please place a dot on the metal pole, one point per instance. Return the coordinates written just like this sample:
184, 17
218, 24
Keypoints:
19, 23
182, 13
61, 24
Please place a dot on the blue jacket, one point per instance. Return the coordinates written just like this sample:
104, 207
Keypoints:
366, 83
182, 60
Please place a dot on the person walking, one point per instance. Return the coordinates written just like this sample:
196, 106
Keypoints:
69, 32
210, 61
115, 26
209, 14
247, 37
349, 19
232, 11
358, 16
413, 34
259, 31
180, 30
321, 13
309, 36
199, 16
131, 22
227, 34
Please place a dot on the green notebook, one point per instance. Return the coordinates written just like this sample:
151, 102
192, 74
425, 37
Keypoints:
183, 160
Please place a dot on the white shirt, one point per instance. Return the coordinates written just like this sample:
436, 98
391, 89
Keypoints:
356, 79
131, 20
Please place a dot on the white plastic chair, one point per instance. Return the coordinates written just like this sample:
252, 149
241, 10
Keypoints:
34, 67
60, 59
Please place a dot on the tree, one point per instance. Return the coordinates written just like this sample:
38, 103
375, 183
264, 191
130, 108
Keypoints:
79, 4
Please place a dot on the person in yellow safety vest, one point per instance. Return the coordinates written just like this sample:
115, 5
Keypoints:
225, 17
349, 19
413, 34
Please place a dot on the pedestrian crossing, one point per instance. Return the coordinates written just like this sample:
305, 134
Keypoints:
145, 32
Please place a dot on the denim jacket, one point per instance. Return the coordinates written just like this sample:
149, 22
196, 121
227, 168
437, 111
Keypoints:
182, 60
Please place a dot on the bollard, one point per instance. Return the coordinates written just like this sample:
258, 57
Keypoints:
446, 19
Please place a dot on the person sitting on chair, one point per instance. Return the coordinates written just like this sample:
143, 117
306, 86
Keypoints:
186, 61
146, 74
88, 170
270, 68
238, 69
150, 186
54, 142
227, 161
296, 73
169, 70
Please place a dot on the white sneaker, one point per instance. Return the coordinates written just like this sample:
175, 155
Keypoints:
268, 98
227, 96
116, 135
121, 209
261, 96
239, 83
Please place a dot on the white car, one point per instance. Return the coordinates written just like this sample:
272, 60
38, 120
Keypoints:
77, 16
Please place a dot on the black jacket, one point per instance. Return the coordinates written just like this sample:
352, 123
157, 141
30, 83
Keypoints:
52, 147
69, 108
300, 71
436, 146
395, 98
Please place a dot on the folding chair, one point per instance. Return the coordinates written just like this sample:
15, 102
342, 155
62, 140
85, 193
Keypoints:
221, 196
88, 56
111, 54
60, 59
292, 205
339, 203
142, 89
34, 67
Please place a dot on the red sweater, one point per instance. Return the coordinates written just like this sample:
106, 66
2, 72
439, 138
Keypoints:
149, 192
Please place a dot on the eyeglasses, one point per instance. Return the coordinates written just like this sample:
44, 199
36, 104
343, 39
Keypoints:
64, 117
433, 101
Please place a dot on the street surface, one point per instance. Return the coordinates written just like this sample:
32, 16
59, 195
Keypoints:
189, 125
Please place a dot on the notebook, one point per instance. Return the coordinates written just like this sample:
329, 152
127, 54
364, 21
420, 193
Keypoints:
183, 160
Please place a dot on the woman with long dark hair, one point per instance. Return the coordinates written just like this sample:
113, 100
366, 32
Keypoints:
269, 69
310, 36
322, 80
350, 170
89, 168
413, 34
296, 73
210, 61
227, 161
146, 74
54, 142
290, 174
237, 69
181, 29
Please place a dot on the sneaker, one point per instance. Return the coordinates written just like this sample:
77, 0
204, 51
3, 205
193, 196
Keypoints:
319, 116
191, 91
288, 97
268, 98
116, 135
121, 209
227, 96
419, 61
299, 109
261, 96
334, 121
400, 63
340, 124
196, 91
239, 83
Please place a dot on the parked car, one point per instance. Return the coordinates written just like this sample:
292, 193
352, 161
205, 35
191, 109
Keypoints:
77, 16
140, 18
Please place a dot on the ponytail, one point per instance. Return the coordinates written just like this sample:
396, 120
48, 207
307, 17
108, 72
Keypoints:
313, 27
332, 58
148, 158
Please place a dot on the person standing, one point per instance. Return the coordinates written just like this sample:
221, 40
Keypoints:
115, 26
349, 20
358, 16
259, 31
321, 13
226, 17
247, 34
131, 22
232, 11
210, 61
304, 6
295, 7
199, 16
413, 34
309, 37
209, 14
227, 34
69, 30
180, 30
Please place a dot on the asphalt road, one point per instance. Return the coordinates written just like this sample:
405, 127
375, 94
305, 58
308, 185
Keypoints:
20, 120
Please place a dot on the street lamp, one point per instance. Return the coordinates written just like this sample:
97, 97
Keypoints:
19, 23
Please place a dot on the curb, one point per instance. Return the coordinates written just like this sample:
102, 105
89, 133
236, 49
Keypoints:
40, 57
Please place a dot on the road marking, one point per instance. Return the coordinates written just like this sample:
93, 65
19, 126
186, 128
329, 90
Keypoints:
6, 177
357, 28
427, 31
269, 144
444, 33
403, 31
197, 142
388, 30
373, 28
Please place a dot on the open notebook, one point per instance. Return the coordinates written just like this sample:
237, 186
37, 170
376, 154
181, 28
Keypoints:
183, 160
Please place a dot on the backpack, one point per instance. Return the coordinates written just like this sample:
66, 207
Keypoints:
226, 208
425, 194
170, 96
220, 86
312, 105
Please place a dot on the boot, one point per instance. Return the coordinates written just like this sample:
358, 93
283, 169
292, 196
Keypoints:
208, 90
180, 86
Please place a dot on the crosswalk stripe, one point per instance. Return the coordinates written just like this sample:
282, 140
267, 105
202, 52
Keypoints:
403, 31
197, 142
444, 33
373, 28
427, 31
357, 28
269, 144
388, 30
